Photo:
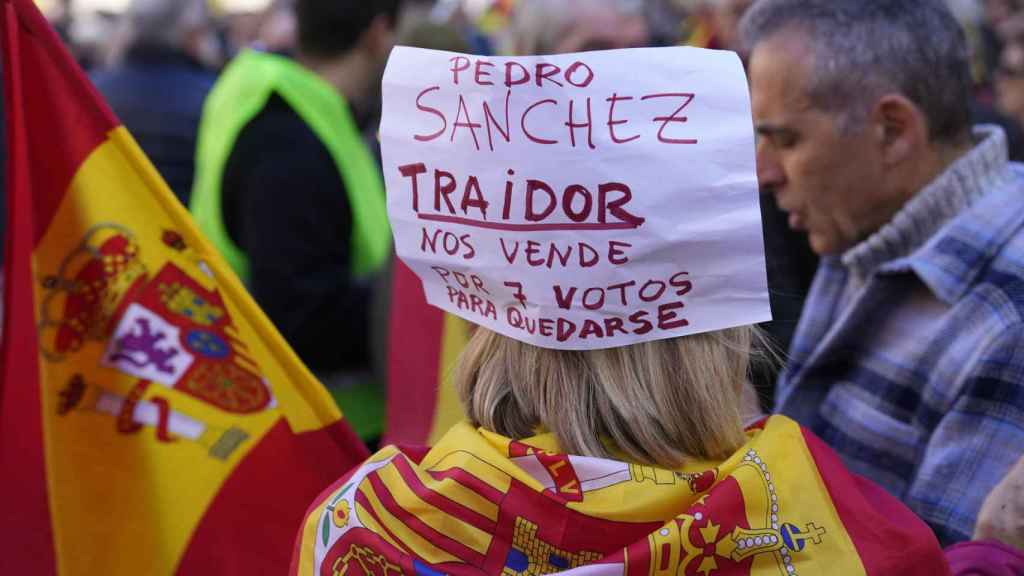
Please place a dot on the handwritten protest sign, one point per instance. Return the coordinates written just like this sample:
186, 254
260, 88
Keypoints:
577, 201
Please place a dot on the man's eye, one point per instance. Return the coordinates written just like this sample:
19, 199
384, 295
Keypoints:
785, 139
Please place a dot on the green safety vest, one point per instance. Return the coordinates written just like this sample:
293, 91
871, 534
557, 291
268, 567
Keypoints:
239, 95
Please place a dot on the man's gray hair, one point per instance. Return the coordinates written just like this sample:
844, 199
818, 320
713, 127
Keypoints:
864, 49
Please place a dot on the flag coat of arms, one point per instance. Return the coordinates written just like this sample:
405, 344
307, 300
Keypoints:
478, 503
152, 421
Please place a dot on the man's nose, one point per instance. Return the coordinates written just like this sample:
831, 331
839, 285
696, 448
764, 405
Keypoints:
770, 175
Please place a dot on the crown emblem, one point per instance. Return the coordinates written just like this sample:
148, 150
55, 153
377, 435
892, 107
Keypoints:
82, 300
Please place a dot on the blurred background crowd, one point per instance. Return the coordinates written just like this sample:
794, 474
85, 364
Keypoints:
104, 34
157, 61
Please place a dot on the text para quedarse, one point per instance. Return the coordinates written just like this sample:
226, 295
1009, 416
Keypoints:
654, 304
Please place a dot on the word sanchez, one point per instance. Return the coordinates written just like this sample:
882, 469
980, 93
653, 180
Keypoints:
451, 115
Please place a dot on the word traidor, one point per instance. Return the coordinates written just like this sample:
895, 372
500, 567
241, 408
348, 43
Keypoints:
535, 206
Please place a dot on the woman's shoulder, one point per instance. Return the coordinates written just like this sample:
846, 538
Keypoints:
811, 483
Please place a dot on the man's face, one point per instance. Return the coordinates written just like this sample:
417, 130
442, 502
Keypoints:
1010, 80
830, 183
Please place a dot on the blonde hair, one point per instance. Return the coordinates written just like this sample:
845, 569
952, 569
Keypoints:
659, 403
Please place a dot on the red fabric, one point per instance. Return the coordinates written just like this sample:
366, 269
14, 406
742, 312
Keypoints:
311, 506
57, 99
252, 522
985, 558
414, 359
55, 121
27, 543
435, 499
876, 522
416, 524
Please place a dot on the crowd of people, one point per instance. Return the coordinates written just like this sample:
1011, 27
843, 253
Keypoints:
893, 215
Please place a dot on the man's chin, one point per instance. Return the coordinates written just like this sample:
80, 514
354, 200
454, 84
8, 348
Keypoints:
821, 245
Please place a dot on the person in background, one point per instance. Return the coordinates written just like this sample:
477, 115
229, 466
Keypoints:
1009, 81
454, 15
997, 12
277, 28
983, 49
1002, 514
907, 359
625, 460
289, 192
533, 27
162, 67
544, 27
61, 17
714, 24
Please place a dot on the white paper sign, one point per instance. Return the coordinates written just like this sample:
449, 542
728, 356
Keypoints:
577, 201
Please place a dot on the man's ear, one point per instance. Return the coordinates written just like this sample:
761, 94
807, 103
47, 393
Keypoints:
379, 37
900, 128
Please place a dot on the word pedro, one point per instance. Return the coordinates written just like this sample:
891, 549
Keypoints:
578, 113
583, 208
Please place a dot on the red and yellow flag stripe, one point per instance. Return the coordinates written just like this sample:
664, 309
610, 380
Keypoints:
782, 504
150, 414
424, 347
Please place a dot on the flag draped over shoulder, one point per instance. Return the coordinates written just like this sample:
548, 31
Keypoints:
479, 503
422, 404
152, 421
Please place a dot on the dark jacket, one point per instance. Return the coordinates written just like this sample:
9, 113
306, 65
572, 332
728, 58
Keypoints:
158, 95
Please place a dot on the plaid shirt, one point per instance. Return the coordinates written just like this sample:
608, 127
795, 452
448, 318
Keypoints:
909, 356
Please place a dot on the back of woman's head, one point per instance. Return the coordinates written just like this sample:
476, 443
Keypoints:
660, 402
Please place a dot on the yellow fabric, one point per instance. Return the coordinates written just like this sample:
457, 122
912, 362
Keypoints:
126, 489
448, 410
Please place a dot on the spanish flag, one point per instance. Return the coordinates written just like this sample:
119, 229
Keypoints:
422, 404
481, 503
152, 421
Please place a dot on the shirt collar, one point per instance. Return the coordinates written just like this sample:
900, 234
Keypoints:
951, 227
